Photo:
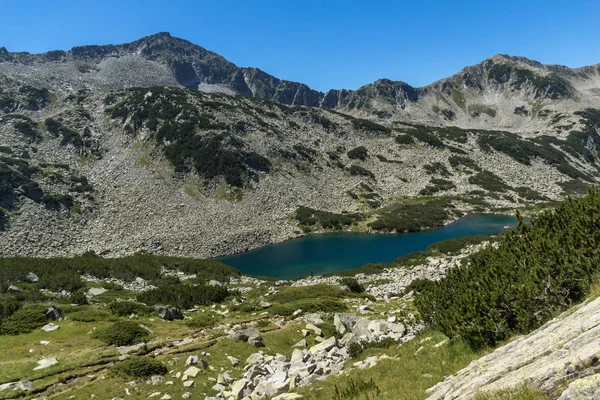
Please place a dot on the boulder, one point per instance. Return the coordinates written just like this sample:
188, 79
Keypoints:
46, 362
584, 388
24, 386
31, 277
265, 389
129, 349
168, 313
264, 304
192, 371
8, 385
237, 389
50, 327
297, 356
202, 364
325, 345
254, 358
53, 313
244, 334
95, 291
213, 282
313, 318
189, 383
313, 328
301, 343
255, 340
234, 361
191, 360
338, 324
13, 289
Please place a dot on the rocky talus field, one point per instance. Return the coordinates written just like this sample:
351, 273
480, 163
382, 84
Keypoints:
125, 168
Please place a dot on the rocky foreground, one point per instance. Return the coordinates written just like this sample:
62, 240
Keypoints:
565, 350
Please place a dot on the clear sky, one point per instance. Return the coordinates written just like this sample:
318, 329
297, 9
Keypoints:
325, 44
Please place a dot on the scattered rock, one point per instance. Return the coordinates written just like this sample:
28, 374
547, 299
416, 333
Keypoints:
313, 318
95, 291
264, 304
50, 327
31, 277
123, 350
191, 360
192, 371
301, 343
234, 361
255, 340
53, 313
168, 313
46, 363
13, 289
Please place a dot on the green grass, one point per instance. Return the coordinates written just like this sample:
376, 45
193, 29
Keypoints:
407, 376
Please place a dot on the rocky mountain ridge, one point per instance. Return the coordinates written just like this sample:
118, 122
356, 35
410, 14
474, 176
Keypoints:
161, 59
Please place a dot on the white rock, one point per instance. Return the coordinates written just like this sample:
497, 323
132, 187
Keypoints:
50, 327
46, 362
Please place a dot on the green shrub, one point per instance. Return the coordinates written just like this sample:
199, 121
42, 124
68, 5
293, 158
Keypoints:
126, 308
184, 296
140, 367
307, 216
360, 171
353, 285
365, 124
202, 320
122, 333
323, 305
539, 270
489, 181
359, 153
63, 273
89, 315
78, 297
412, 217
24, 320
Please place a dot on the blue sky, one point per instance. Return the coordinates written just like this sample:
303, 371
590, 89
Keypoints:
325, 44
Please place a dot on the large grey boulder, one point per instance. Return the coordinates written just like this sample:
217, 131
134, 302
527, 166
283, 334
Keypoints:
168, 313
583, 389
566, 346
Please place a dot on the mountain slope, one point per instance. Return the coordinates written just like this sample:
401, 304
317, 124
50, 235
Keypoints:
87, 164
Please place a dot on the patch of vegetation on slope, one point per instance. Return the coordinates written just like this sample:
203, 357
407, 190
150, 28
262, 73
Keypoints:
310, 219
58, 274
539, 270
413, 217
549, 86
175, 122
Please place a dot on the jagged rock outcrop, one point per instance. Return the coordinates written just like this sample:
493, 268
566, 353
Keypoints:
565, 349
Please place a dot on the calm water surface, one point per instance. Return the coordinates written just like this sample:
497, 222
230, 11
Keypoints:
340, 251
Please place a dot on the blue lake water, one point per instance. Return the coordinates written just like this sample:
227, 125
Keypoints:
341, 251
